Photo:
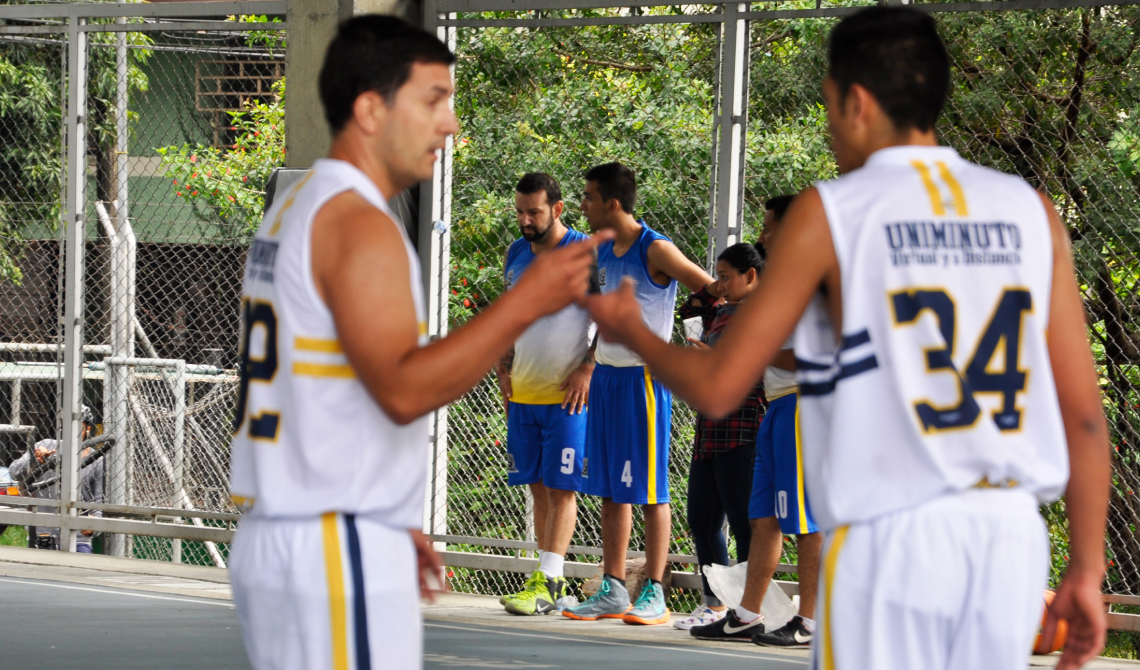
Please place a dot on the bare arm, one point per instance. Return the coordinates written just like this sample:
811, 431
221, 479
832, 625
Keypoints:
785, 359
361, 271
1086, 498
716, 380
667, 262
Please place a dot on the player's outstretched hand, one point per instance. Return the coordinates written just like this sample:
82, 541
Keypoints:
1078, 601
616, 313
430, 567
556, 279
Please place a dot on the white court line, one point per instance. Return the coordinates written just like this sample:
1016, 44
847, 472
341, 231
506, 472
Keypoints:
593, 640
116, 593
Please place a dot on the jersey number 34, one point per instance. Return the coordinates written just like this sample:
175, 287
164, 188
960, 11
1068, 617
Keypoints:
978, 377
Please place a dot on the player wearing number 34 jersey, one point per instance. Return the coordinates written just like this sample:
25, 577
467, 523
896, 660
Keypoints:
946, 383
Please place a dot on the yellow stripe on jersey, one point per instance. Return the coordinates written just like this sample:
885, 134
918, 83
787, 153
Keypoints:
302, 369
338, 603
827, 650
318, 345
931, 188
955, 188
423, 327
288, 203
244, 503
651, 423
800, 497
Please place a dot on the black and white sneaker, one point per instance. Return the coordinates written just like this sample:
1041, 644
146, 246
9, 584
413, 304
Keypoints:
729, 628
792, 634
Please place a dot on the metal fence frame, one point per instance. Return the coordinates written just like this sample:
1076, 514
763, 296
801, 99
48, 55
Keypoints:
72, 21
441, 16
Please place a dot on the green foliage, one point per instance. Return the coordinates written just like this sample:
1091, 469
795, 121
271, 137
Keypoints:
31, 119
225, 184
14, 536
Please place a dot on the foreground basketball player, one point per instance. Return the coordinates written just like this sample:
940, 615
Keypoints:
946, 382
330, 442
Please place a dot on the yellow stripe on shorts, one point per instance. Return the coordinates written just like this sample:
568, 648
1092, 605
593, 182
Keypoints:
827, 650
800, 497
338, 603
651, 422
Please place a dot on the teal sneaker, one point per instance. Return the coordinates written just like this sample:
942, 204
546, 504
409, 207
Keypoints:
650, 607
611, 601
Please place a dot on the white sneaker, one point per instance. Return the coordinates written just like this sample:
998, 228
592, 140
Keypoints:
701, 616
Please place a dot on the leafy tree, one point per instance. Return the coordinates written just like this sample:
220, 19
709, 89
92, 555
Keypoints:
31, 151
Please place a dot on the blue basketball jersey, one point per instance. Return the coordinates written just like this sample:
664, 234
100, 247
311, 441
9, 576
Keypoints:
657, 300
553, 346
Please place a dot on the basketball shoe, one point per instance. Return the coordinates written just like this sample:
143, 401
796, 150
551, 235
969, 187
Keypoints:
792, 634
701, 616
540, 597
610, 601
729, 628
650, 607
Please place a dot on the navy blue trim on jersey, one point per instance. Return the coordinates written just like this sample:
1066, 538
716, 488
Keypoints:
856, 339
359, 610
845, 371
817, 385
801, 364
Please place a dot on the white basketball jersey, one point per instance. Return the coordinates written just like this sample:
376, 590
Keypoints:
308, 437
941, 379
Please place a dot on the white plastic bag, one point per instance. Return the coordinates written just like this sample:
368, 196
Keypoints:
728, 585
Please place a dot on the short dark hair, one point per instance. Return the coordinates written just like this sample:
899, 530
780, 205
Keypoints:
373, 53
742, 257
897, 55
615, 182
533, 182
779, 206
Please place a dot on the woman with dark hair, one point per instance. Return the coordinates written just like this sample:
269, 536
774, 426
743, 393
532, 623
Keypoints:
720, 477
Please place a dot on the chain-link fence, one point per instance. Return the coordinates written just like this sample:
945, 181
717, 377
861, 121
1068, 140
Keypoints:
180, 124
184, 123
1049, 95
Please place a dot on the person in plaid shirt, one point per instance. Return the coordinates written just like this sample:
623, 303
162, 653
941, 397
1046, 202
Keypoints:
720, 477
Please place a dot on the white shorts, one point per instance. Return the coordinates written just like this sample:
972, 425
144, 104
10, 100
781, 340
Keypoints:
334, 592
955, 584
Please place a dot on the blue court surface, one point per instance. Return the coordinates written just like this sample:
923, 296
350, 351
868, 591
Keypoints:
49, 624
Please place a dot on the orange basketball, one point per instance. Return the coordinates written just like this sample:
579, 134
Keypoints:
1041, 646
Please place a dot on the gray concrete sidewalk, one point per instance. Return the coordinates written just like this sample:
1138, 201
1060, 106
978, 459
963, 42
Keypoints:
449, 608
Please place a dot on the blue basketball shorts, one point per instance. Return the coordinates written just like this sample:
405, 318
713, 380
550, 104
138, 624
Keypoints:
778, 471
545, 443
627, 436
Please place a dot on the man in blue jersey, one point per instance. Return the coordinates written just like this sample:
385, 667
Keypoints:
545, 381
628, 426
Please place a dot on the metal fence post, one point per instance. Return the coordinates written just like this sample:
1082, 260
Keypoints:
435, 257
732, 104
74, 239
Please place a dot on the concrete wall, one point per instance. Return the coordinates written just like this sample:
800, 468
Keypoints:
312, 25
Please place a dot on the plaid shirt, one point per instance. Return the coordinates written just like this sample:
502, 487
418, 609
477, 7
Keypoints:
717, 436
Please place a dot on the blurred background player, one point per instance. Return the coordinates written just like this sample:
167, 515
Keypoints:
947, 388
720, 476
330, 444
628, 426
779, 503
545, 381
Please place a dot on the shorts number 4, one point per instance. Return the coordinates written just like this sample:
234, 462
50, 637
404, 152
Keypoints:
627, 475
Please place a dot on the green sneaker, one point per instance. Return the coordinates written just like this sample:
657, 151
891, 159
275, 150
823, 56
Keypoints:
527, 592
542, 599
